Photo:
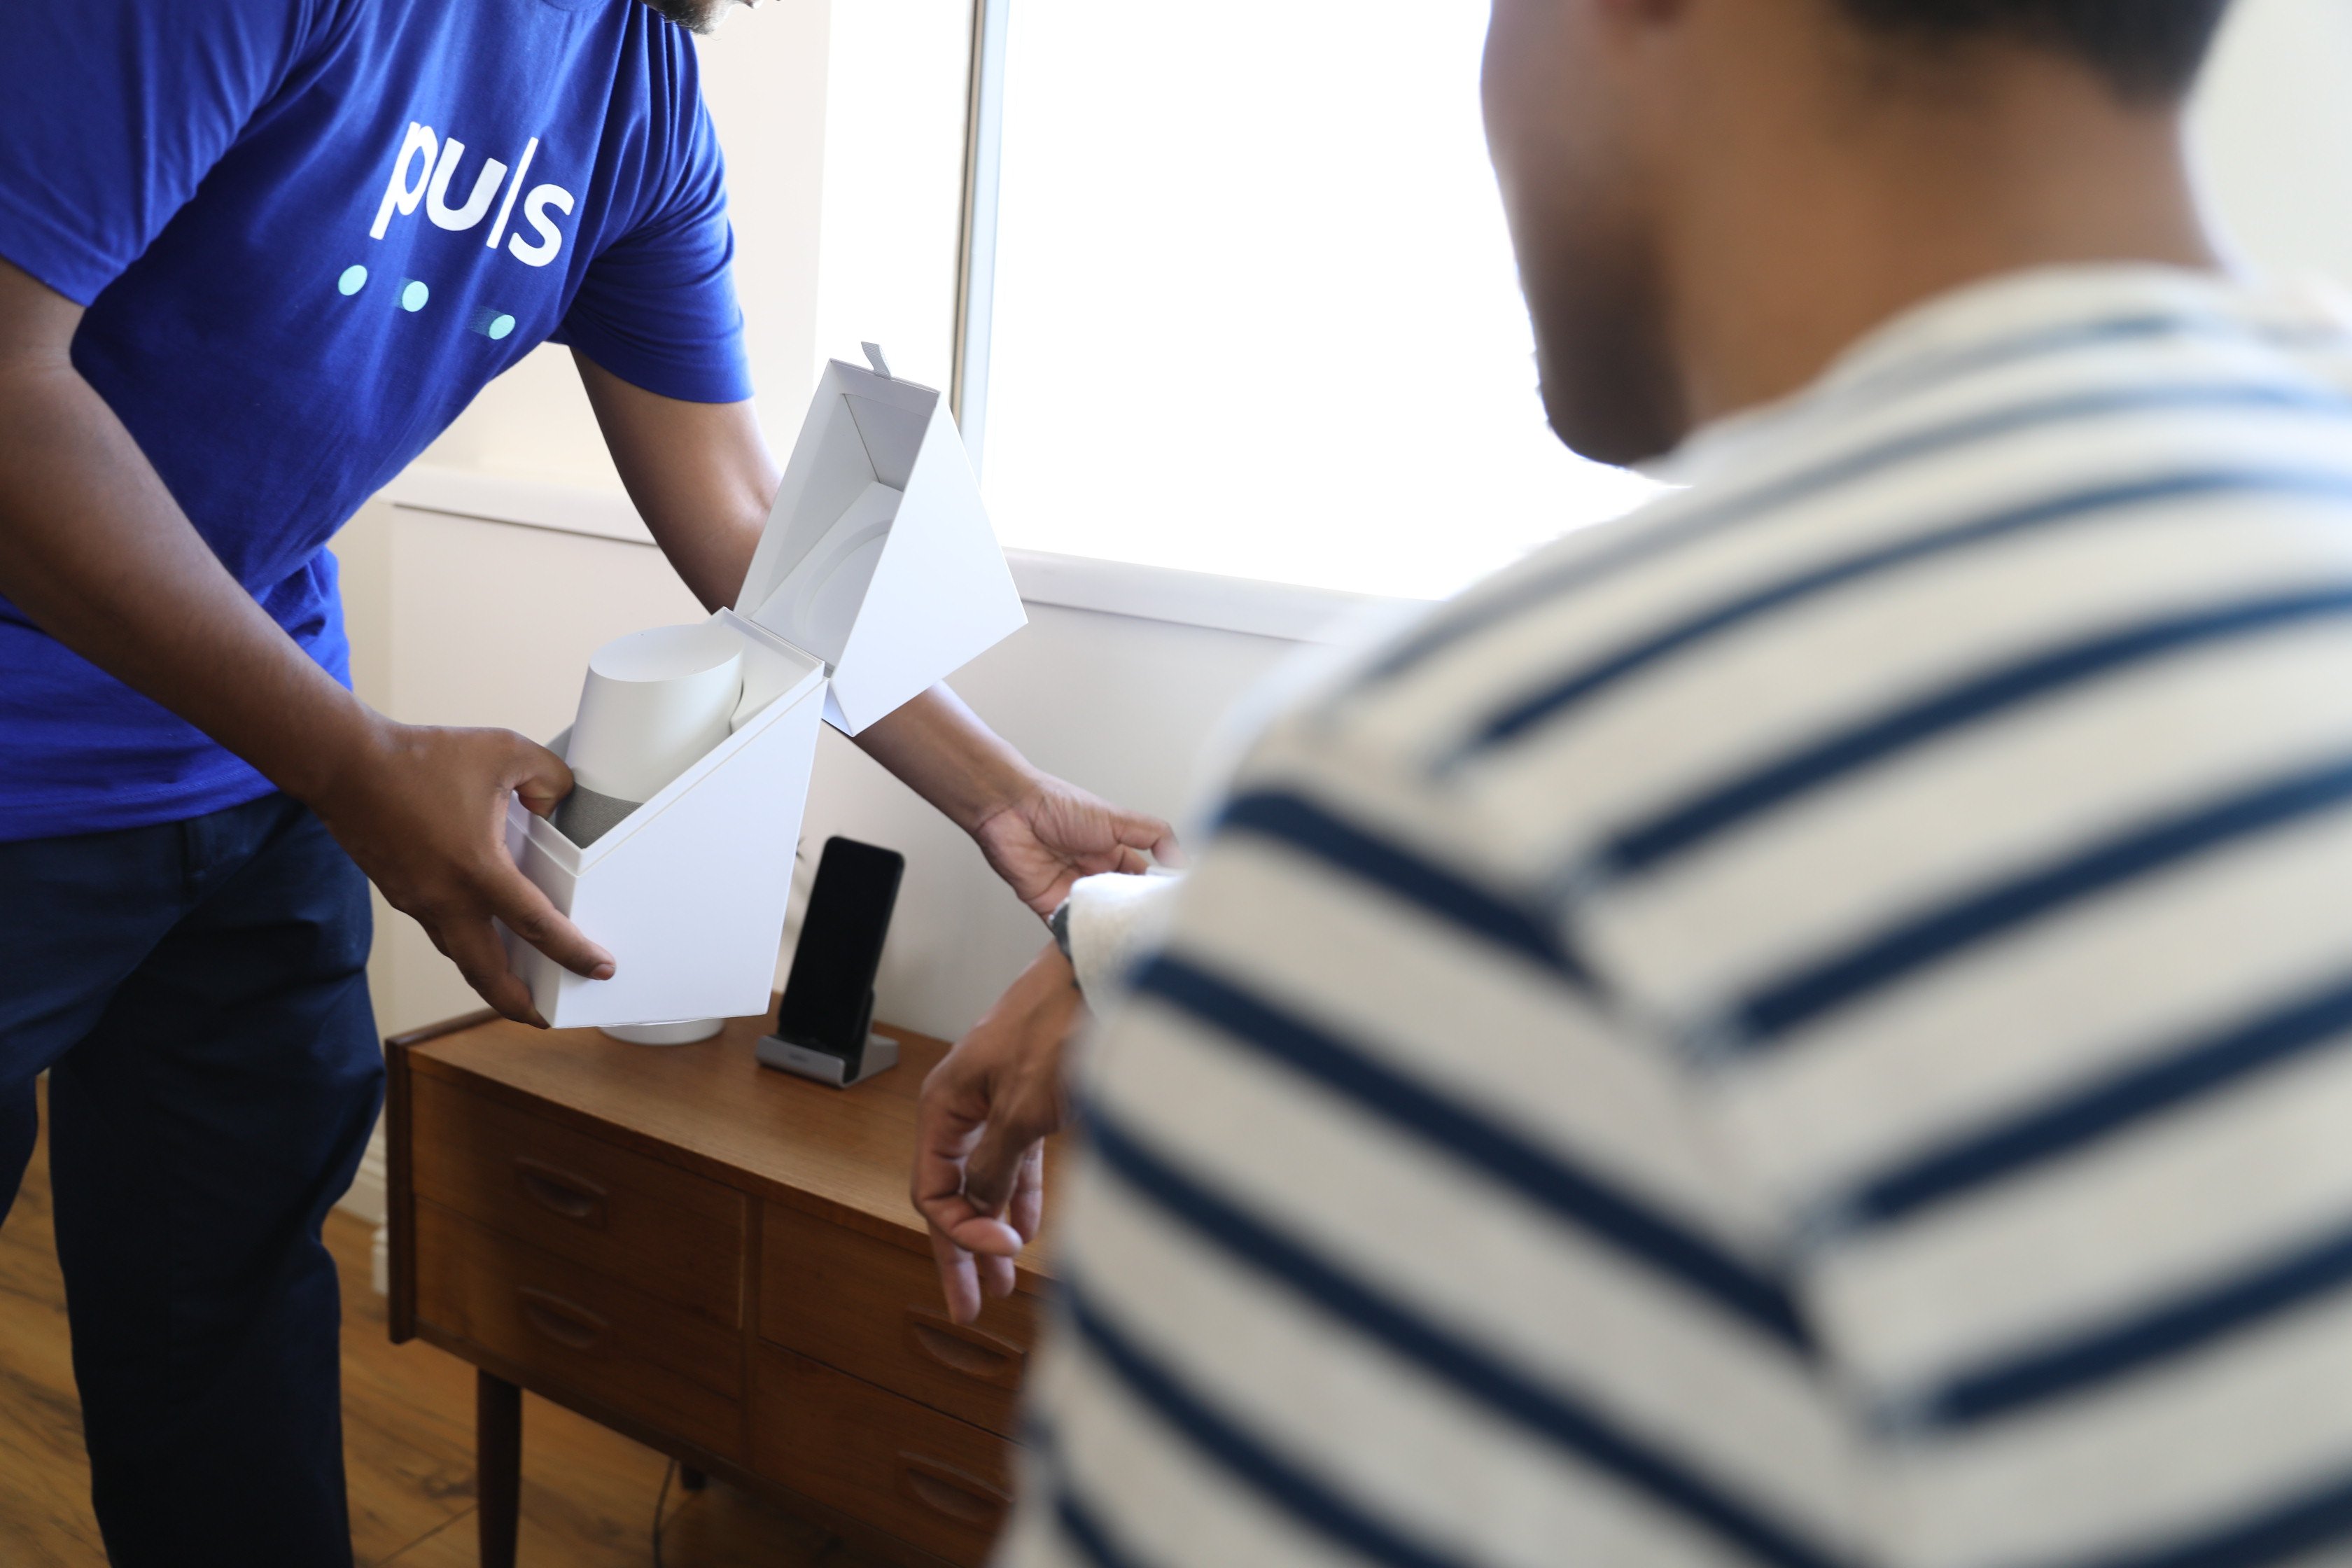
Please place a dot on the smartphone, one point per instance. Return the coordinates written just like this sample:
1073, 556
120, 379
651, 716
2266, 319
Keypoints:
828, 1002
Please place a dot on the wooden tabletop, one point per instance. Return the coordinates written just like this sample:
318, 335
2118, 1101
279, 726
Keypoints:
845, 1154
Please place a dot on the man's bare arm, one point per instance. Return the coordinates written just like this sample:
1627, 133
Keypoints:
700, 474
94, 550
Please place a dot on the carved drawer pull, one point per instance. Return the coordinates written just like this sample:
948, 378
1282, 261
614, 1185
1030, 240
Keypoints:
958, 1494
561, 1191
566, 1322
967, 1352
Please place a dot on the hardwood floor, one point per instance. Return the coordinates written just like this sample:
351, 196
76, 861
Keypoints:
587, 1497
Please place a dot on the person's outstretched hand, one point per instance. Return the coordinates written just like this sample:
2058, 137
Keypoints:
424, 812
1055, 832
980, 1134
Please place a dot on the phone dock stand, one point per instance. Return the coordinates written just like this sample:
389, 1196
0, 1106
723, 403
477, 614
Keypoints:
880, 1056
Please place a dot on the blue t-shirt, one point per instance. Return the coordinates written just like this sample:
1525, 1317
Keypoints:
308, 232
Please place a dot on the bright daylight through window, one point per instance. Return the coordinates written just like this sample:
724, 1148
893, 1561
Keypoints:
1254, 311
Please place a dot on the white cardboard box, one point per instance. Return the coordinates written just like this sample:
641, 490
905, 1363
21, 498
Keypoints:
877, 576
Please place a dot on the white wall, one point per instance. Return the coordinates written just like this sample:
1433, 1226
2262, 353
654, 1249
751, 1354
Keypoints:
2273, 128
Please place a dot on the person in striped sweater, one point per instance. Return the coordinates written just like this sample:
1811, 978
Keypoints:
1811, 1025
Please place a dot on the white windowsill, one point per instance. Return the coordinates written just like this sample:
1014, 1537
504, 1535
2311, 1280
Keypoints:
1282, 610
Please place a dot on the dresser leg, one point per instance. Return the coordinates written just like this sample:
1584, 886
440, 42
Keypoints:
690, 1480
497, 1465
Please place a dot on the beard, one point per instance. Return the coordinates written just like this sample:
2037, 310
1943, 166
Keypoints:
1611, 388
701, 16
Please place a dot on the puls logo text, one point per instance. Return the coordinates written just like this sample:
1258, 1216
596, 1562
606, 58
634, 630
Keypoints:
423, 171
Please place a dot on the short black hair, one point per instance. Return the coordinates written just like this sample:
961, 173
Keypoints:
2148, 50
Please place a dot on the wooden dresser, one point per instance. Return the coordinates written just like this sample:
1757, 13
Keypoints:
713, 1258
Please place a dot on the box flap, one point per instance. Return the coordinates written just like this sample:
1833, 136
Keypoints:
815, 601
893, 436
941, 593
829, 470
878, 557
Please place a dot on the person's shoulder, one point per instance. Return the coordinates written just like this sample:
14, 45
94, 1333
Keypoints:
1350, 756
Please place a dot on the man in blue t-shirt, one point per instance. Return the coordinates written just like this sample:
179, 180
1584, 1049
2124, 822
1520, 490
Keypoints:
253, 256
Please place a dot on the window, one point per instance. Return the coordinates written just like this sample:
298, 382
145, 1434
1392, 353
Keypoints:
1252, 309
897, 78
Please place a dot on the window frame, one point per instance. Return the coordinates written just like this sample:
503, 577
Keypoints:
1259, 607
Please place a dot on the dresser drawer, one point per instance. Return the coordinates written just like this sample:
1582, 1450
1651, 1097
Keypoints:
930, 1479
673, 1233
875, 1309
648, 1358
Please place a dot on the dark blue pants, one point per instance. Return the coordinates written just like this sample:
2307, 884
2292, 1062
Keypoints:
197, 992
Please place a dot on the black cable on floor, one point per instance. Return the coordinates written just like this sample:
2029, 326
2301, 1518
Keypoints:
661, 1501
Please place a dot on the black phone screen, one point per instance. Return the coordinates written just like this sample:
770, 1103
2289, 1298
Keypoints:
825, 999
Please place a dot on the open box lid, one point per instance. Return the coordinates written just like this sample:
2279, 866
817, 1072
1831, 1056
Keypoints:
878, 557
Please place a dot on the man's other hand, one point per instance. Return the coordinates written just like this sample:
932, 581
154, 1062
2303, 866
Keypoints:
980, 1134
424, 812
1054, 833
